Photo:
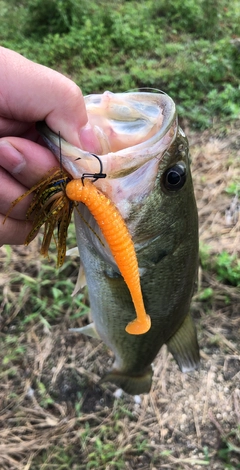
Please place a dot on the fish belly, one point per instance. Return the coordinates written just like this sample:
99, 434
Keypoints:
167, 300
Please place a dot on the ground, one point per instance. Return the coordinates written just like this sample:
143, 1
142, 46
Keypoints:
53, 413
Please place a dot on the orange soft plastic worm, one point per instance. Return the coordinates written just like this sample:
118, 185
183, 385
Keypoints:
119, 240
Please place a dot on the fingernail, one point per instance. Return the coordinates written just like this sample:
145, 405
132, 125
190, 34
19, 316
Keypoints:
89, 139
10, 158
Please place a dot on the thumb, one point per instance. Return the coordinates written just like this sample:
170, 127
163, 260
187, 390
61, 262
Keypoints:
33, 92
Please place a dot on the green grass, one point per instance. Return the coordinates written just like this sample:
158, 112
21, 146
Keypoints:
185, 47
225, 266
33, 296
234, 188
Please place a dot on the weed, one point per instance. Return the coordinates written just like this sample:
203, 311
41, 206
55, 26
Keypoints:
206, 294
13, 351
57, 458
233, 188
182, 47
105, 454
45, 399
228, 268
45, 294
229, 449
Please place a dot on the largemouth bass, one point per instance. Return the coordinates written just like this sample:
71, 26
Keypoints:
145, 157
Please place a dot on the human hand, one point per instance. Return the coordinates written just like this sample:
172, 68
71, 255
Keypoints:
30, 92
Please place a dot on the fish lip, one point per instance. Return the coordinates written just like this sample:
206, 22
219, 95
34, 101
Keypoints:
123, 162
59, 147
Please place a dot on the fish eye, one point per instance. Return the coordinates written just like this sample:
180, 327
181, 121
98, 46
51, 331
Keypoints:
175, 177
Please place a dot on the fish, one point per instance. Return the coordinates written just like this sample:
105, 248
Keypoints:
145, 160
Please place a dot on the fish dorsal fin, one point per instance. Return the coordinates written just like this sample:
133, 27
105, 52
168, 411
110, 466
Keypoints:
184, 346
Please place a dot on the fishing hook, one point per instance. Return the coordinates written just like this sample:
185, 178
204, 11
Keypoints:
95, 176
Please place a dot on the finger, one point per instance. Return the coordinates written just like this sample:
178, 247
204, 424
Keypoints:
13, 232
48, 95
10, 190
25, 160
12, 127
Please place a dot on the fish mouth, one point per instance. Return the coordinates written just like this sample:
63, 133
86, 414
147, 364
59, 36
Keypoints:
132, 128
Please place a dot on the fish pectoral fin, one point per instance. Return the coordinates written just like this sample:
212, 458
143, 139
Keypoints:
134, 385
81, 281
184, 346
73, 251
88, 330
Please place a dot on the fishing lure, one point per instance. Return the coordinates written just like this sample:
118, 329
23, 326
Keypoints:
120, 243
55, 197
51, 207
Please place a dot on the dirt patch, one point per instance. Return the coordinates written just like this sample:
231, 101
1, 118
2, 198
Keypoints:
216, 164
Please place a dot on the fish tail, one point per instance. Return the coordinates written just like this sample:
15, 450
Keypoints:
184, 346
134, 385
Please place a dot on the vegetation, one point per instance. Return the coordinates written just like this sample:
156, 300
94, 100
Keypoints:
188, 48
225, 266
53, 413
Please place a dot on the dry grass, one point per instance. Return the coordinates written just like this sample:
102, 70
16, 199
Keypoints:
53, 414
216, 164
